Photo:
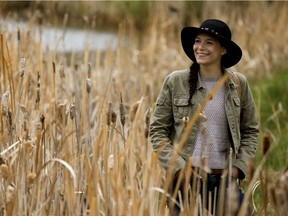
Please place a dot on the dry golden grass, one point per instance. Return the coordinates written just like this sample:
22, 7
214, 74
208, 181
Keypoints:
74, 137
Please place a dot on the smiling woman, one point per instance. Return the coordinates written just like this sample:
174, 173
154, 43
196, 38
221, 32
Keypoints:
225, 135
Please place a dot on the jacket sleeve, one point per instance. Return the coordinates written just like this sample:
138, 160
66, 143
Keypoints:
162, 128
249, 128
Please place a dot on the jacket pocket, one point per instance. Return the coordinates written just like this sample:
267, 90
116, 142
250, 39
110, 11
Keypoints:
180, 107
160, 101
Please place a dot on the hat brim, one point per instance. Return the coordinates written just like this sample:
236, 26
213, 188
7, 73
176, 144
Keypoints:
232, 56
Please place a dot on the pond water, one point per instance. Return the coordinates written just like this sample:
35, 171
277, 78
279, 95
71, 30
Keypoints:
67, 40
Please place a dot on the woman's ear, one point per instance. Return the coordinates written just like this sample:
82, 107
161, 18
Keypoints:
223, 51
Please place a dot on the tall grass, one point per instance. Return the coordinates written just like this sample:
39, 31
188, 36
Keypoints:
74, 131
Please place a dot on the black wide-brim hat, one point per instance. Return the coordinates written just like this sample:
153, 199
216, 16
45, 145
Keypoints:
219, 30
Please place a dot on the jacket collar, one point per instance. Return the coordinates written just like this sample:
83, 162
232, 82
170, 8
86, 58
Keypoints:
229, 82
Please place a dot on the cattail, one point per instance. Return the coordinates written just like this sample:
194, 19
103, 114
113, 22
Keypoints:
25, 112
89, 70
88, 85
4, 171
18, 34
147, 123
62, 112
54, 67
88, 80
4, 101
72, 111
122, 111
266, 143
31, 177
61, 71
38, 131
22, 65
38, 88
111, 115
42, 120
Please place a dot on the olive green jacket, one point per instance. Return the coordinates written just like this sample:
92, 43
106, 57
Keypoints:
172, 105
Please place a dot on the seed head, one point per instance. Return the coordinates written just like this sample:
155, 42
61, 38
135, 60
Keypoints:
88, 85
89, 70
4, 171
134, 110
111, 115
22, 65
31, 177
72, 111
122, 111
5, 100
147, 123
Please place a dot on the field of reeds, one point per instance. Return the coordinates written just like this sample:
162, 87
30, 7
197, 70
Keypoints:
74, 128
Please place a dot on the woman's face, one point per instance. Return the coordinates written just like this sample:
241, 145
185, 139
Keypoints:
208, 50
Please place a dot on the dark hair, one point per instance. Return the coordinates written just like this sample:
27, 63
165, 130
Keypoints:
193, 78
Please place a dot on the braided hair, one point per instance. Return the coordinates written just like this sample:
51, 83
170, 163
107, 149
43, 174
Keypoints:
193, 79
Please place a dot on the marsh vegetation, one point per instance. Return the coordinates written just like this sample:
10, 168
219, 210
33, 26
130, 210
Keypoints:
74, 128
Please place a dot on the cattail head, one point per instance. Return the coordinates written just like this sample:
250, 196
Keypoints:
38, 88
31, 177
39, 131
88, 85
42, 120
54, 67
5, 101
147, 123
122, 111
22, 65
4, 171
89, 70
111, 115
72, 111
266, 143
18, 34
62, 112
88, 80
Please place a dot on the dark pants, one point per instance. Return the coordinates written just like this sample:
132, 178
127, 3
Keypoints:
214, 195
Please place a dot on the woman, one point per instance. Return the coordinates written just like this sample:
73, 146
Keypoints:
230, 116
